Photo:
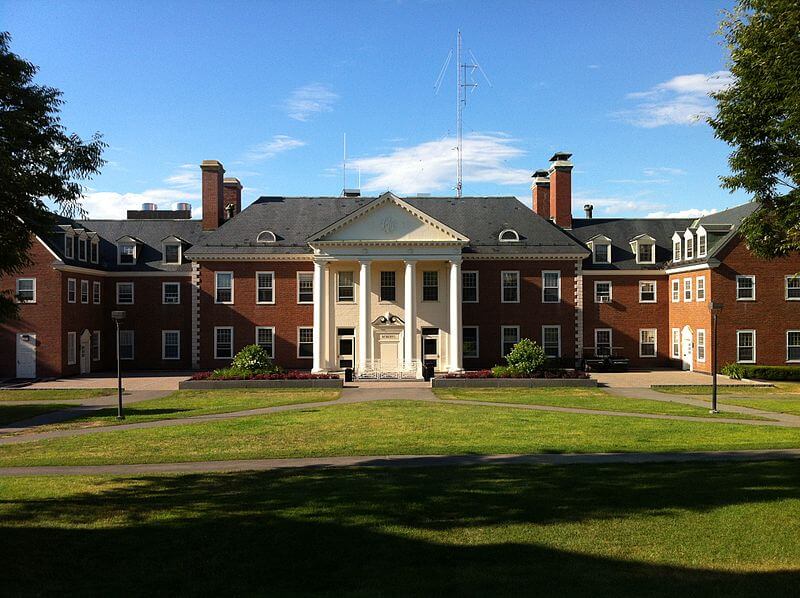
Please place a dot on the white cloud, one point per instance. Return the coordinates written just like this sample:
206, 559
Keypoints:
663, 171
683, 100
308, 101
187, 176
614, 205
649, 181
271, 148
690, 213
431, 165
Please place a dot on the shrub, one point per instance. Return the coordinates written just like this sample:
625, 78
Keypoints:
771, 372
253, 358
526, 357
734, 371
238, 374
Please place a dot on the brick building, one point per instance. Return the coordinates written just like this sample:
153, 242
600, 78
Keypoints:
386, 283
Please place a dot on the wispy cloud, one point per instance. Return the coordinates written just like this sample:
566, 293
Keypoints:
187, 177
431, 165
690, 213
615, 205
272, 147
683, 100
663, 171
310, 100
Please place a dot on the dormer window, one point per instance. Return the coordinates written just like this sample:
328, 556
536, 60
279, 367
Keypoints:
689, 238
601, 249
95, 251
677, 248
644, 248
266, 236
172, 250
508, 236
127, 253
69, 246
702, 243
82, 249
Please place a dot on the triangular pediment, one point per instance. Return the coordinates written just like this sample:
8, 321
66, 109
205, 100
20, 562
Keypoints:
388, 218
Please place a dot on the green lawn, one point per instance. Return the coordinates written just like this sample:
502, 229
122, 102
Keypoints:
727, 529
784, 397
190, 403
26, 394
705, 389
395, 427
14, 413
580, 398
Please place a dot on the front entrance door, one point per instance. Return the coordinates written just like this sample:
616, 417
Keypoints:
687, 347
86, 357
345, 343
430, 347
26, 355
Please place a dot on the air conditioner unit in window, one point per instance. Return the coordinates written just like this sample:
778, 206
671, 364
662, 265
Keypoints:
605, 299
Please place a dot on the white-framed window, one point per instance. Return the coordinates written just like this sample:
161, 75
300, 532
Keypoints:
305, 343
265, 338
266, 236
551, 286
125, 293
647, 342
126, 344
84, 291
69, 246
745, 288
551, 341
603, 292
126, 253
509, 336
701, 344
689, 246
95, 345
702, 244
170, 344
430, 285
746, 346
388, 286
72, 347
72, 290
223, 342
645, 253
676, 343
265, 287
602, 342
700, 294
793, 287
677, 251
676, 290
687, 289
507, 236
509, 292
172, 253
26, 290
793, 346
305, 287
95, 251
82, 250
647, 291
171, 293
223, 287
96, 292
345, 287
601, 252
469, 342
469, 286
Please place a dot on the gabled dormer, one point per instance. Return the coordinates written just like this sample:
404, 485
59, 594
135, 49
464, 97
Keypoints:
128, 250
601, 249
677, 247
644, 248
688, 244
69, 240
83, 245
172, 250
94, 247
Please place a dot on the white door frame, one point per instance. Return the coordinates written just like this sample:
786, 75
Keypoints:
26, 355
687, 349
85, 352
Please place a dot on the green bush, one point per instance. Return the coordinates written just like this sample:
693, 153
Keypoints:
771, 372
502, 371
526, 357
253, 359
734, 371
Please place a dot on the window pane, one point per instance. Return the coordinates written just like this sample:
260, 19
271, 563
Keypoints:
469, 287
551, 336
388, 280
601, 253
469, 336
306, 342
645, 253
346, 287
265, 340
126, 344
224, 287
430, 286
171, 292
224, 343
171, 254
510, 287
264, 281
305, 292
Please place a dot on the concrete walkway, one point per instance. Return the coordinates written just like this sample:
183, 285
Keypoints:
130, 380
664, 376
401, 461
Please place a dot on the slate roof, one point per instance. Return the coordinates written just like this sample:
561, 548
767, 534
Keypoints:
621, 231
295, 219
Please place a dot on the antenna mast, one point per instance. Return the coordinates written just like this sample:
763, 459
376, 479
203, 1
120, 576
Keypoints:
344, 163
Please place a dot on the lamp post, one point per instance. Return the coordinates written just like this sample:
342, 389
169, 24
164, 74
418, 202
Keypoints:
715, 307
118, 316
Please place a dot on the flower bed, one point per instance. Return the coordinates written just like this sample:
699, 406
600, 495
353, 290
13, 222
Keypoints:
292, 375
488, 379
217, 380
538, 375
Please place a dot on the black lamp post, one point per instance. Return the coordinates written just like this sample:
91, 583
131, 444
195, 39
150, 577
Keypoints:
118, 316
715, 307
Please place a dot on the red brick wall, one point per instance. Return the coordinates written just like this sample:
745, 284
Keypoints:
625, 316
530, 314
770, 315
42, 318
245, 314
694, 314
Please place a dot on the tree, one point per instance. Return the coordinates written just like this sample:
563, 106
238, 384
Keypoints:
759, 115
39, 161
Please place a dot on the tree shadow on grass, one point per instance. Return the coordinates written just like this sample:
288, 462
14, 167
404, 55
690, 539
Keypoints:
375, 531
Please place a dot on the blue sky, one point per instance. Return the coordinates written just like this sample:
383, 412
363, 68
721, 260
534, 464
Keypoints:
269, 88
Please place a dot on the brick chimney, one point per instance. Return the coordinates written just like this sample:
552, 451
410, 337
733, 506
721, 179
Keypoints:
540, 188
213, 194
561, 189
232, 196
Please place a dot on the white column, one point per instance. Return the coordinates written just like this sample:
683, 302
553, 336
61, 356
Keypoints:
319, 298
455, 316
410, 315
364, 304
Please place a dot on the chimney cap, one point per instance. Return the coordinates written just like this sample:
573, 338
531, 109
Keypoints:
541, 173
561, 157
232, 182
211, 165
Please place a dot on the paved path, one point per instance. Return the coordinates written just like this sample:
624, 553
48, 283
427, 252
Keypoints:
645, 378
131, 381
402, 461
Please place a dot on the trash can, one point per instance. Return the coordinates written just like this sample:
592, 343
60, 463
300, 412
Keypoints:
348, 374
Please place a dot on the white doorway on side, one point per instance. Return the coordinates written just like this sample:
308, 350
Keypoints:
687, 349
86, 352
26, 355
